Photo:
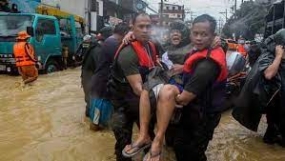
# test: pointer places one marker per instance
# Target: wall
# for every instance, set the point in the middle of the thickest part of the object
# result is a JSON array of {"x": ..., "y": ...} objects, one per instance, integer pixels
[{"x": 81, "y": 8}]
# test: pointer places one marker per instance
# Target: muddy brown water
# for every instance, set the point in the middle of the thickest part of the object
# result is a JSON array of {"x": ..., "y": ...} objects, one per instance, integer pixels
[{"x": 44, "y": 122}]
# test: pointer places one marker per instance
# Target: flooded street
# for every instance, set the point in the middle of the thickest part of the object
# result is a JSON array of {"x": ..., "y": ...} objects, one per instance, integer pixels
[{"x": 45, "y": 122}]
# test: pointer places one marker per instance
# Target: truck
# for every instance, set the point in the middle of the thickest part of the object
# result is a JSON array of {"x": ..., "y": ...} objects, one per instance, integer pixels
[
  {"x": 275, "y": 19},
  {"x": 55, "y": 36}
]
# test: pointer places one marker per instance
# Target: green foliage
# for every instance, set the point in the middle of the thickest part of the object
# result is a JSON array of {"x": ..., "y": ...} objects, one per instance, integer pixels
[{"x": 247, "y": 21}]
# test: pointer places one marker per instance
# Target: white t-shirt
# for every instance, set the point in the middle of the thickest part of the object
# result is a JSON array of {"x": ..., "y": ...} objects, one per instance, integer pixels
[{"x": 166, "y": 61}]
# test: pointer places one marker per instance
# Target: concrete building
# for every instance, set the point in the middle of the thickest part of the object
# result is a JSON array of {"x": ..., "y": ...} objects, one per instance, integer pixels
[
  {"x": 266, "y": 1},
  {"x": 123, "y": 9},
  {"x": 90, "y": 10},
  {"x": 172, "y": 12}
]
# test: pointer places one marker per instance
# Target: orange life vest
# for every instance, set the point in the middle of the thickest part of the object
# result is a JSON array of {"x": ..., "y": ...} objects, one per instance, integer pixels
[
  {"x": 241, "y": 49},
  {"x": 24, "y": 54},
  {"x": 144, "y": 59}
]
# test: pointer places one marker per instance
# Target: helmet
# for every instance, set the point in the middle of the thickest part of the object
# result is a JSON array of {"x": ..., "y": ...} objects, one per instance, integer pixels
[
  {"x": 279, "y": 37},
  {"x": 87, "y": 37}
]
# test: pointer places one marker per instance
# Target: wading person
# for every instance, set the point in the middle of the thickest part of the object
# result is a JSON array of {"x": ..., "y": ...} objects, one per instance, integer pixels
[
  {"x": 173, "y": 58},
  {"x": 88, "y": 69},
  {"x": 100, "y": 106},
  {"x": 131, "y": 65},
  {"x": 165, "y": 106},
  {"x": 273, "y": 67},
  {"x": 205, "y": 73},
  {"x": 83, "y": 48},
  {"x": 25, "y": 58}
]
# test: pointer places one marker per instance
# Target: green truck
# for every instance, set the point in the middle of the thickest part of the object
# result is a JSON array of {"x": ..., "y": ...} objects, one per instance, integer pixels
[{"x": 55, "y": 36}]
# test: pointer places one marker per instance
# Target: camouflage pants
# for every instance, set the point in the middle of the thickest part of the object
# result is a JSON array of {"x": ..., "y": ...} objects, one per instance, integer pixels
[
  {"x": 193, "y": 135},
  {"x": 124, "y": 116},
  {"x": 86, "y": 84}
]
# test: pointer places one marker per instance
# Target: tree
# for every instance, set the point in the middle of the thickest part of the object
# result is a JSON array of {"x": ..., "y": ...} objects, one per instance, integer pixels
[{"x": 247, "y": 21}]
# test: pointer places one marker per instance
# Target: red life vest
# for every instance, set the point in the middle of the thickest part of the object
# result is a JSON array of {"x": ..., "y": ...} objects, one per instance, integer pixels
[
  {"x": 213, "y": 97},
  {"x": 217, "y": 55},
  {"x": 144, "y": 59}
]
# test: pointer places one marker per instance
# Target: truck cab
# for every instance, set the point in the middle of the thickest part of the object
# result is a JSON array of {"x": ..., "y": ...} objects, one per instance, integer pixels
[
  {"x": 50, "y": 36},
  {"x": 275, "y": 19}
]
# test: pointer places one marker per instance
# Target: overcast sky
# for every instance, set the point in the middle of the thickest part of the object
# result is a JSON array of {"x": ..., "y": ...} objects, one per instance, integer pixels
[{"x": 198, "y": 7}]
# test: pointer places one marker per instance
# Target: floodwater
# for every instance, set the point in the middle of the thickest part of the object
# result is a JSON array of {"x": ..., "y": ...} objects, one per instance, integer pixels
[{"x": 45, "y": 122}]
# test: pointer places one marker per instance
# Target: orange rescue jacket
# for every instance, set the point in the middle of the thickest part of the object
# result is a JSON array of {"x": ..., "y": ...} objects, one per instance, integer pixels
[
  {"x": 24, "y": 54},
  {"x": 241, "y": 49}
]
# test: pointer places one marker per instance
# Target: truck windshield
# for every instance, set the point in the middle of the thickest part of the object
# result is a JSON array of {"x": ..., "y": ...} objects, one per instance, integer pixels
[{"x": 11, "y": 25}]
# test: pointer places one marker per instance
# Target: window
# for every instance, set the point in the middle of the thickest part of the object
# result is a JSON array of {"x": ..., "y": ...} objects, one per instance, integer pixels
[
  {"x": 179, "y": 8},
  {"x": 167, "y": 8},
  {"x": 46, "y": 27},
  {"x": 11, "y": 25},
  {"x": 179, "y": 16},
  {"x": 97, "y": 7},
  {"x": 173, "y": 8}
]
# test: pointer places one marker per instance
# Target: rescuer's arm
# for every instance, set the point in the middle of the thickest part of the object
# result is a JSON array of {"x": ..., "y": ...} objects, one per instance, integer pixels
[
  {"x": 272, "y": 70},
  {"x": 205, "y": 73},
  {"x": 136, "y": 83},
  {"x": 128, "y": 62},
  {"x": 31, "y": 52}
]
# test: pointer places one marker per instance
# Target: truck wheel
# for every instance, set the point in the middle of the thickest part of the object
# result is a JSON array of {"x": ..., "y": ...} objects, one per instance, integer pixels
[{"x": 51, "y": 66}]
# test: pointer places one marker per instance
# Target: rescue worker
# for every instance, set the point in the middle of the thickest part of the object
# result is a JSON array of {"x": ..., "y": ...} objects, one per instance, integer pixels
[
  {"x": 165, "y": 96},
  {"x": 205, "y": 73},
  {"x": 25, "y": 58},
  {"x": 173, "y": 58},
  {"x": 98, "y": 94},
  {"x": 88, "y": 69},
  {"x": 131, "y": 65}
]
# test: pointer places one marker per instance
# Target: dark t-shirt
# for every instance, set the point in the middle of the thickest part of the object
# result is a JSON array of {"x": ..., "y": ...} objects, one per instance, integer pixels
[
  {"x": 90, "y": 61},
  {"x": 102, "y": 70},
  {"x": 128, "y": 61},
  {"x": 205, "y": 72}
]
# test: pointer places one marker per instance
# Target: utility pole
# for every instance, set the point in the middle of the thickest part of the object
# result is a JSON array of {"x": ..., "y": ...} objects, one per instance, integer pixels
[
  {"x": 161, "y": 12},
  {"x": 225, "y": 14},
  {"x": 235, "y": 6}
]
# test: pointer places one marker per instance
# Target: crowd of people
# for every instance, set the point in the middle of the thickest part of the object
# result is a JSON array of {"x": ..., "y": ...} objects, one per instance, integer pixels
[{"x": 128, "y": 78}]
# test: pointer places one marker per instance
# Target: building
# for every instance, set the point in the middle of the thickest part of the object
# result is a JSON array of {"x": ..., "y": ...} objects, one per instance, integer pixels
[
  {"x": 266, "y": 1},
  {"x": 123, "y": 10},
  {"x": 172, "y": 12},
  {"x": 90, "y": 10}
]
